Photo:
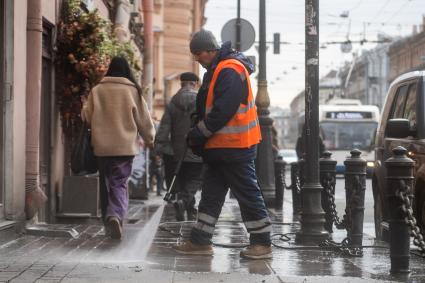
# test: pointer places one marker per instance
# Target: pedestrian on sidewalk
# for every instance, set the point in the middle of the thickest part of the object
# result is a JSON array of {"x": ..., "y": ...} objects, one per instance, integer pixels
[
  {"x": 117, "y": 114},
  {"x": 175, "y": 125},
  {"x": 164, "y": 148},
  {"x": 226, "y": 137}
]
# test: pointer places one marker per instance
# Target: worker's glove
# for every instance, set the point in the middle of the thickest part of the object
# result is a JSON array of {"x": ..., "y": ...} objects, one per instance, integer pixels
[
  {"x": 195, "y": 137},
  {"x": 196, "y": 140},
  {"x": 195, "y": 118}
]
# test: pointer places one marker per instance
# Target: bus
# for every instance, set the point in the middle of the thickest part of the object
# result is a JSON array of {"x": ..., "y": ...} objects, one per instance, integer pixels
[{"x": 345, "y": 126}]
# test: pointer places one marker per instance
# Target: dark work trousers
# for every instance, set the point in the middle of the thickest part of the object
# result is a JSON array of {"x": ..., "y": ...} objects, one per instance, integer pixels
[
  {"x": 169, "y": 167},
  {"x": 114, "y": 172},
  {"x": 189, "y": 180},
  {"x": 242, "y": 180}
]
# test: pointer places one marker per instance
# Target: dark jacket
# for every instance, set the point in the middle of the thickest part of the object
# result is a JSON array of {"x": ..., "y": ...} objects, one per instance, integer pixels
[
  {"x": 176, "y": 123},
  {"x": 162, "y": 143},
  {"x": 229, "y": 92}
]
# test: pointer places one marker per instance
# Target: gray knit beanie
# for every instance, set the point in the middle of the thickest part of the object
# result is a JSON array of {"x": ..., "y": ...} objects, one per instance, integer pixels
[{"x": 203, "y": 40}]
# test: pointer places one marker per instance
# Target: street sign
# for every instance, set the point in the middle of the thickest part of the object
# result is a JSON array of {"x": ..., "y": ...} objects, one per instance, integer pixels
[{"x": 228, "y": 33}]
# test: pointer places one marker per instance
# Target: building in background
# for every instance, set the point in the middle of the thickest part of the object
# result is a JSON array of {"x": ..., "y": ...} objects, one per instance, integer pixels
[
  {"x": 408, "y": 54},
  {"x": 27, "y": 36},
  {"x": 174, "y": 23},
  {"x": 366, "y": 77},
  {"x": 329, "y": 87},
  {"x": 375, "y": 69}
]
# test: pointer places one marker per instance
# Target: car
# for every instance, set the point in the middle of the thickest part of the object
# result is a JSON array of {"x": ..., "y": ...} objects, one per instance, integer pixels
[
  {"x": 402, "y": 124},
  {"x": 288, "y": 155}
]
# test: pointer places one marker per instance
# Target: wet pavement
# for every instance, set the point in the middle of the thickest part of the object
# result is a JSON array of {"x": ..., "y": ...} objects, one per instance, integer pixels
[{"x": 145, "y": 254}]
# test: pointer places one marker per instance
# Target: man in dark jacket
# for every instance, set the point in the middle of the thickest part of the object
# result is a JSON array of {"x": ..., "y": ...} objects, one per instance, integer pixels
[
  {"x": 226, "y": 137},
  {"x": 175, "y": 125}
]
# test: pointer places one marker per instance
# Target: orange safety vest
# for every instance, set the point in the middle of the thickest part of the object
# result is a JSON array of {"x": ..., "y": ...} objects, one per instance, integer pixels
[{"x": 243, "y": 130}]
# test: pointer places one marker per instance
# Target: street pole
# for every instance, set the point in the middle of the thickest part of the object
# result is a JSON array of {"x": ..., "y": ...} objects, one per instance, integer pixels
[
  {"x": 147, "y": 76},
  {"x": 265, "y": 160},
  {"x": 148, "y": 37},
  {"x": 238, "y": 27},
  {"x": 312, "y": 215}
]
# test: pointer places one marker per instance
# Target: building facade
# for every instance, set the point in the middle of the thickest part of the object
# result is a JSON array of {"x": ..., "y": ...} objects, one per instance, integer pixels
[
  {"x": 28, "y": 106},
  {"x": 373, "y": 71},
  {"x": 329, "y": 87},
  {"x": 408, "y": 54},
  {"x": 32, "y": 136},
  {"x": 174, "y": 23},
  {"x": 366, "y": 77}
]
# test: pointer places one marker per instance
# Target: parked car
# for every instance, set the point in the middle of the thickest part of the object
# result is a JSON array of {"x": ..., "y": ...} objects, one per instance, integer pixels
[
  {"x": 288, "y": 155},
  {"x": 402, "y": 124}
]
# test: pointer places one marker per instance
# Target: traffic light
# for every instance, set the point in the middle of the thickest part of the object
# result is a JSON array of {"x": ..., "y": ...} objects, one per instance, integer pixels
[{"x": 276, "y": 43}]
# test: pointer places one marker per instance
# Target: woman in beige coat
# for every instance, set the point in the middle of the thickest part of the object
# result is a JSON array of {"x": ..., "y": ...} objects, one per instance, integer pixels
[{"x": 117, "y": 115}]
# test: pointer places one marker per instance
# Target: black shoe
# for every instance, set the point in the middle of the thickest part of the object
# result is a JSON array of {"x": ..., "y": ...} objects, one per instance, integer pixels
[
  {"x": 192, "y": 214},
  {"x": 115, "y": 228},
  {"x": 179, "y": 206}
]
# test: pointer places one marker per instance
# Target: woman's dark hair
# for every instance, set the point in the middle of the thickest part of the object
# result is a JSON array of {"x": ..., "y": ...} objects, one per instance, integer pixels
[{"x": 119, "y": 67}]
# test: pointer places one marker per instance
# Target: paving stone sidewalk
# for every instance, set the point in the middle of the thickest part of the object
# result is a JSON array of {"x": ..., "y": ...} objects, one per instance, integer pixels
[{"x": 94, "y": 258}]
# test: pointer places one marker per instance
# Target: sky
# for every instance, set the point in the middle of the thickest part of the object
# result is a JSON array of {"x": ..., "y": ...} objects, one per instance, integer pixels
[{"x": 285, "y": 71}]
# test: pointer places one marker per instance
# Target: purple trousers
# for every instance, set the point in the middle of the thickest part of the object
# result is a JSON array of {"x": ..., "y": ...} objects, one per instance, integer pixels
[{"x": 114, "y": 172}]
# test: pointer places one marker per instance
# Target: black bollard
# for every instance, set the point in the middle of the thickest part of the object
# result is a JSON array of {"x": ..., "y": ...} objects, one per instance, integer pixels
[
  {"x": 327, "y": 180},
  {"x": 296, "y": 188},
  {"x": 399, "y": 183},
  {"x": 279, "y": 174},
  {"x": 355, "y": 187}
]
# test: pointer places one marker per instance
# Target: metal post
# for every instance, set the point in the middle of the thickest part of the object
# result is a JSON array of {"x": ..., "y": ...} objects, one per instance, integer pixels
[
  {"x": 327, "y": 179},
  {"x": 399, "y": 180},
  {"x": 355, "y": 187},
  {"x": 264, "y": 162},
  {"x": 301, "y": 176},
  {"x": 312, "y": 215},
  {"x": 238, "y": 27},
  {"x": 147, "y": 76},
  {"x": 296, "y": 188},
  {"x": 279, "y": 167}
]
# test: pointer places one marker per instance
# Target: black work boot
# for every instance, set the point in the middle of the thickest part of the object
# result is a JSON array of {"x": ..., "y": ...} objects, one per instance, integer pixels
[{"x": 180, "y": 208}]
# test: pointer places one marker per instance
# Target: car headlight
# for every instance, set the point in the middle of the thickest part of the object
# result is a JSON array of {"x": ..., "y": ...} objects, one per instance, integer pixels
[{"x": 370, "y": 164}]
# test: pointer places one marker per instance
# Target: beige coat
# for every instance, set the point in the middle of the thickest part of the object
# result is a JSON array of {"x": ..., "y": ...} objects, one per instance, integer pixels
[{"x": 117, "y": 114}]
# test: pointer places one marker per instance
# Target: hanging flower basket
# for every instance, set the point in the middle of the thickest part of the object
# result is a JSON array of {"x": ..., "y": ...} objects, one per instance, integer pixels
[{"x": 85, "y": 45}]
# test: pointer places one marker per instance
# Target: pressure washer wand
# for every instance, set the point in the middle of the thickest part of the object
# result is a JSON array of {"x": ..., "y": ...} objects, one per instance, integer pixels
[{"x": 168, "y": 195}]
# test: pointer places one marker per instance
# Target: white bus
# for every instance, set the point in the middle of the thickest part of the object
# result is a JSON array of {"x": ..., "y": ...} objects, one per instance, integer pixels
[{"x": 345, "y": 126}]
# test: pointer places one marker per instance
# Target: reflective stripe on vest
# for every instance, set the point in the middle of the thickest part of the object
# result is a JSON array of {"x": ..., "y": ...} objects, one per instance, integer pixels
[{"x": 243, "y": 130}]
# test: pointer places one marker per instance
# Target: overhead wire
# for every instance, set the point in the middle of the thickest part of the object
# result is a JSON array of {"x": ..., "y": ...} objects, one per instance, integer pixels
[
  {"x": 382, "y": 9},
  {"x": 399, "y": 10}
]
